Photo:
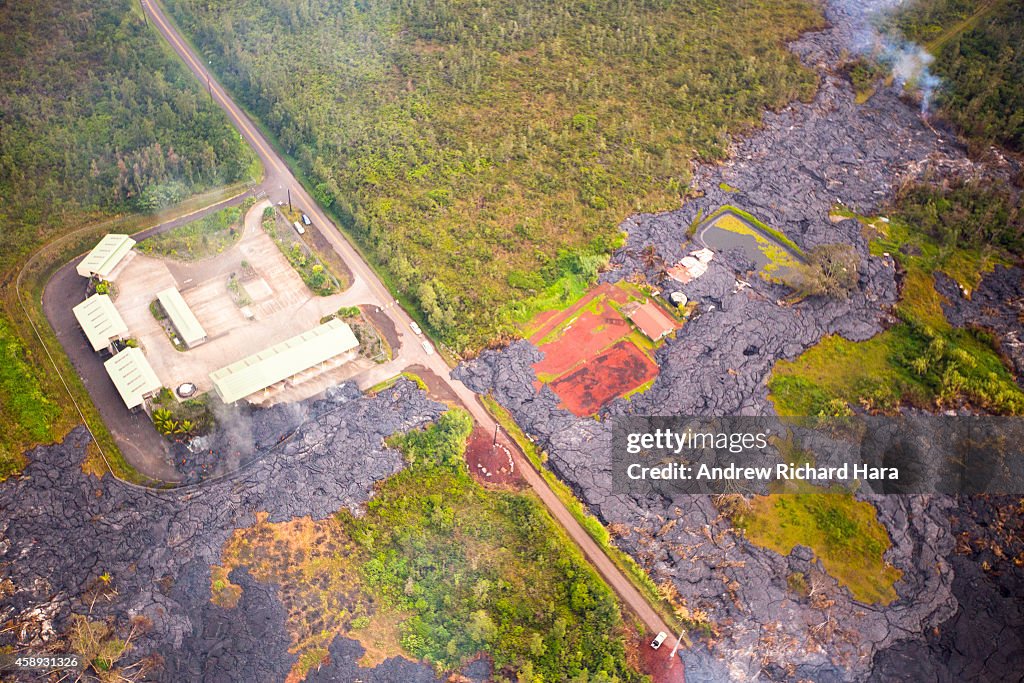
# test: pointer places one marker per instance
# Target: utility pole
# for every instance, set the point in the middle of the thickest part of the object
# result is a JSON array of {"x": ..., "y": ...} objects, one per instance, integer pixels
[
  {"x": 495, "y": 442},
  {"x": 142, "y": 6},
  {"x": 209, "y": 86},
  {"x": 290, "y": 199}
]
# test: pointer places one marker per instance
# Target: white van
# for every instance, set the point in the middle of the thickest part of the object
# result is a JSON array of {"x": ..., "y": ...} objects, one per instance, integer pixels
[
  {"x": 658, "y": 640},
  {"x": 298, "y": 228}
]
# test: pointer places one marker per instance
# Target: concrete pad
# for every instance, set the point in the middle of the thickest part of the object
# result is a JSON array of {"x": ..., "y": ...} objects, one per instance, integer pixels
[{"x": 258, "y": 289}]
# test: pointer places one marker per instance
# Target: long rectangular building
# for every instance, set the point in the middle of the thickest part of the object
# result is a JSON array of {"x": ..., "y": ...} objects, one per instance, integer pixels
[
  {"x": 100, "y": 321},
  {"x": 108, "y": 253},
  {"x": 185, "y": 322},
  {"x": 133, "y": 376},
  {"x": 284, "y": 360}
]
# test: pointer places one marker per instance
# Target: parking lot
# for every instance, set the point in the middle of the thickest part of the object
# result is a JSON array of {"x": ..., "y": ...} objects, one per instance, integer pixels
[{"x": 279, "y": 303}]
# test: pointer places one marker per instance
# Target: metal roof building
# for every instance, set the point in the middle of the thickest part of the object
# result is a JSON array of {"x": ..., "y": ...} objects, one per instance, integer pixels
[
  {"x": 285, "y": 360},
  {"x": 652, "y": 321},
  {"x": 105, "y": 256},
  {"x": 100, "y": 321},
  {"x": 184, "y": 320},
  {"x": 133, "y": 376}
]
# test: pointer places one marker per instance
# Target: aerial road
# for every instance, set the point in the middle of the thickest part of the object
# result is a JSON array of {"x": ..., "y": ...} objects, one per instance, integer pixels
[{"x": 278, "y": 184}]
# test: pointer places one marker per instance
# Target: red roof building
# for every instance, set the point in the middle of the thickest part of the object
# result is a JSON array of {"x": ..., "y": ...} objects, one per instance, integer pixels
[{"x": 652, "y": 321}]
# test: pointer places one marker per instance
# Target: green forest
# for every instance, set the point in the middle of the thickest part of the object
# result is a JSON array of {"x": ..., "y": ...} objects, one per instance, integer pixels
[
  {"x": 97, "y": 118},
  {"x": 484, "y": 153},
  {"x": 979, "y": 54}
]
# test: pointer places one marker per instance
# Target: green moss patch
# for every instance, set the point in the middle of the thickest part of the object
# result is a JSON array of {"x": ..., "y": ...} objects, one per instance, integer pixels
[{"x": 844, "y": 534}]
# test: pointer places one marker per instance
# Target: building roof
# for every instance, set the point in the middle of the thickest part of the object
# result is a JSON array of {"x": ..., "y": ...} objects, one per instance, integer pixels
[
  {"x": 652, "y": 321},
  {"x": 281, "y": 361},
  {"x": 704, "y": 255},
  {"x": 182, "y": 317},
  {"x": 687, "y": 270},
  {"x": 133, "y": 376},
  {"x": 105, "y": 256},
  {"x": 100, "y": 321}
]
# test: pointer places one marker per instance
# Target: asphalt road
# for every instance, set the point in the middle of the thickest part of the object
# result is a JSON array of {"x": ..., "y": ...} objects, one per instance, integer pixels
[{"x": 370, "y": 290}]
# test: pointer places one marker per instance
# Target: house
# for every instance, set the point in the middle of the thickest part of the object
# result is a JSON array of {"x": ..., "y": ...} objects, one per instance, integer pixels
[
  {"x": 652, "y": 321},
  {"x": 133, "y": 377},
  {"x": 184, "y": 321},
  {"x": 692, "y": 266}
]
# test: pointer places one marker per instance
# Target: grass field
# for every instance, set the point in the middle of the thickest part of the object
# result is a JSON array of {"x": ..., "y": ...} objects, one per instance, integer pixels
[{"x": 202, "y": 238}]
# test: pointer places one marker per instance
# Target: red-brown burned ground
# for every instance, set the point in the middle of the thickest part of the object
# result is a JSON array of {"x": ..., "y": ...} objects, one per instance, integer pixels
[
  {"x": 660, "y": 664},
  {"x": 587, "y": 336},
  {"x": 488, "y": 463},
  {"x": 549, "y": 321},
  {"x": 610, "y": 374}
]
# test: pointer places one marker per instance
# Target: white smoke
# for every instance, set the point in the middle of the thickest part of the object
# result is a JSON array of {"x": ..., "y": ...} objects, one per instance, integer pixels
[
  {"x": 909, "y": 62},
  {"x": 910, "y": 70}
]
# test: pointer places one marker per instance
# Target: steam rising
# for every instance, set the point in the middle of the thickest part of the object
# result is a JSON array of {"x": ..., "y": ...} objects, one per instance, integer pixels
[{"x": 908, "y": 61}]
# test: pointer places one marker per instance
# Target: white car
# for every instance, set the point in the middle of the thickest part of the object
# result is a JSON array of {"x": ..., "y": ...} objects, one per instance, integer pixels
[
  {"x": 298, "y": 228},
  {"x": 415, "y": 328},
  {"x": 428, "y": 347},
  {"x": 658, "y": 640}
]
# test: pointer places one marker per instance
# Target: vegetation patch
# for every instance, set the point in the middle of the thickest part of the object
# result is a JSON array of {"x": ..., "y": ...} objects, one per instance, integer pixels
[
  {"x": 179, "y": 419},
  {"x": 865, "y": 75},
  {"x": 27, "y": 413},
  {"x": 844, "y": 534},
  {"x": 458, "y": 569},
  {"x": 922, "y": 361},
  {"x": 201, "y": 238},
  {"x": 485, "y": 153},
  {"x": 667, "y": 604},
  {"x": 309, "y": 267}
]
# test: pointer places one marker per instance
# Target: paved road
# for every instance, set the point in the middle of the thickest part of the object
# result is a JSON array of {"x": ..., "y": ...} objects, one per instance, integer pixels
[{"x": 370, "y": 290}]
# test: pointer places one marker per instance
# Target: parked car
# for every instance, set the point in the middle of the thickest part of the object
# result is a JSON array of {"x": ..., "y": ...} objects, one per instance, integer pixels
[
  {"x": 428, "y": 347},
  {"x": 415, "y": 328},
  {"x": 305, "y": 220},
  {"x": 658, "y": 640},
  {"x": 298, "y": 228}
]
